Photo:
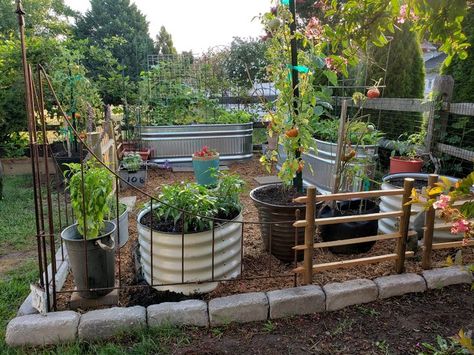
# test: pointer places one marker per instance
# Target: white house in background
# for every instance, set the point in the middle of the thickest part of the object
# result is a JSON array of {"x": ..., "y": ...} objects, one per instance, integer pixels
[{"x": 433, "y": 60}]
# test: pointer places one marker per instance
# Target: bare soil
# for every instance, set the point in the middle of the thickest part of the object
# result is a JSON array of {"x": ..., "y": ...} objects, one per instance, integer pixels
[
  {"x": 399, "y": 325},
  {"x": 261, "y": 271}
]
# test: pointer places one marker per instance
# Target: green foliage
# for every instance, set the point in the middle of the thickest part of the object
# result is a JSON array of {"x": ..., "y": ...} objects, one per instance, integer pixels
[
  {"x": 444, "y": 347},
  {"x": 132, "y": 161},
  {"x": 358, "y": 132},
  {"x": 119, "y": 19},
  {"x": 246, "y": 61},
  {"x": 164, "y": 43},
  {"x": 405, "y": 145},
  {"x": 199, "y": 203},
  {"x": 190, "y": 197},
  {"x": 89, "y": 188},
  {"x": 463, "y": 70},
  {"x": 112, "y": 208},
  {"x": 15, "y": 146},
  {"x": 404, "y": 75}
]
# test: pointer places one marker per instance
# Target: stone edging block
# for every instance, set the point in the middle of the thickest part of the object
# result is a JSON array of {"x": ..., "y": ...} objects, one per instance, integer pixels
[
  {"x": 242, "y": 308},
  {"x": 39, "y": 330},
  {"x": 348, "y": 293},
  {"x": 190, "y": 312},
  {"x": 296, "y": 301},
  {"x": 397, "y": 285},
  {"x": 442, "y": 277},
  {"x": 105, "y": 323}
]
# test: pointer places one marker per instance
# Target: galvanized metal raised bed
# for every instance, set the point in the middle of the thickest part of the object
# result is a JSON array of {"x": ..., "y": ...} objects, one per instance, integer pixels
[
  {"x": 322, "y": 158},
  {"x": 176, "y": 144}
]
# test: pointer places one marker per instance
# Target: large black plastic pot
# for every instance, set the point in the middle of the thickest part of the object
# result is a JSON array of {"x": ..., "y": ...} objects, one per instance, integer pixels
[
  {"x": 282, "y": 234},
  {"x": 350, "y": 230},
  {"x": 100, "y": 270}
]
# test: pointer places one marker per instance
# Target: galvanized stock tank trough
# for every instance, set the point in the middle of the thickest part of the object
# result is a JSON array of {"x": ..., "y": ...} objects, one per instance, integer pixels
[
  {"x": 200, "y": 254},
  {"x": 176, "y": 144},
  {"x": 322, "y": 159}
]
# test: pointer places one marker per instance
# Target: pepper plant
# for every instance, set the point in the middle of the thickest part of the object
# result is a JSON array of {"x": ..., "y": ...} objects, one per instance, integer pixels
[{"x": 89, "y": 187}]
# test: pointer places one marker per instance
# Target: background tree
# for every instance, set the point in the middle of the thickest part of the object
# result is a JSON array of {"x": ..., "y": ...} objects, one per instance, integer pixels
[
  {"x": 164, "y": 43},
  {"x": 403, "y": 59},
  {"x": 122, "y": 21},
  {"x": 463, "y": 70},
  {"x": 246, "y": 61}
]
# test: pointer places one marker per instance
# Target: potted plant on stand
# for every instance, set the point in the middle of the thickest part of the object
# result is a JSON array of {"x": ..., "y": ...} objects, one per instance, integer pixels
[
  {"x": 192, "y": 234},
  {"x": 132, "y": 170},
  {"x": 89, "y": 241},
  {"x": 205, "y": 165}
]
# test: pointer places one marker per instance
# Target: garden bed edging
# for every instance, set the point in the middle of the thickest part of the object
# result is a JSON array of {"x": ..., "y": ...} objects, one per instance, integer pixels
[{"x": 60, "y": 327}]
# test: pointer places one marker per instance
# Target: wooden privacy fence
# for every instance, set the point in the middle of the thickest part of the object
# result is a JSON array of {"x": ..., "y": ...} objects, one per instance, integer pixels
[{"x": 310, "y": 223}]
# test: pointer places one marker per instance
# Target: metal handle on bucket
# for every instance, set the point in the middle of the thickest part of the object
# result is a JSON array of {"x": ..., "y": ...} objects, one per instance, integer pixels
[{"x": 106, "y": 247}]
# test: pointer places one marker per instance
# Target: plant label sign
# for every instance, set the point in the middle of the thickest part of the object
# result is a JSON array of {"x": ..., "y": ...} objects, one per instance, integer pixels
[{"x": 38, "y": 299}]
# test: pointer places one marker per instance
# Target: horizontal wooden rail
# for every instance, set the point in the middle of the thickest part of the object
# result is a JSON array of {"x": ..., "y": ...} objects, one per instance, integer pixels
[
  {"x": 449, "y": 245},
  {"x": 352, "y": 195},
  {"x": 347, "y": 219},
  {"x": 350, "y": 263},
  {"x": 338, "y": 243}
]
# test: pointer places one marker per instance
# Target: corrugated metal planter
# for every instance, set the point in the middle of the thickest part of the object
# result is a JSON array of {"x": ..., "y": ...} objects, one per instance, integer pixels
[
  {"x": 178, "y": 143},
  {"x": 322, "y": 159},
  {"x": 393, "y": 203},
  {"x": 198, "y": 256}
]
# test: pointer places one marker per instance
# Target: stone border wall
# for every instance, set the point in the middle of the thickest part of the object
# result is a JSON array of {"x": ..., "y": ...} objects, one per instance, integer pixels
[{"x": 68, "y": 326}]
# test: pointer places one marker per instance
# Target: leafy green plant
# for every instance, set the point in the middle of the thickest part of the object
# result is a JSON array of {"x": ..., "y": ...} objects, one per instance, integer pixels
[
  {"x": 407, "y": 147},
  {"x": 200, "y": 204},
  {"x": 444, "y": 347},
  {"x": 112, "y": 205},
  {"x": 227, "y": 192},
  {"x": 358, "y": 132},
  {"x": 195, "y": 199},
  {"x": 132, "y": 162},
  {"x": 15, "y": 146},
  {"x": 89, "y": 187}
]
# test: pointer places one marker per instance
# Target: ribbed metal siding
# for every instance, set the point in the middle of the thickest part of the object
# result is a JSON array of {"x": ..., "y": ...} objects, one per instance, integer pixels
[
  {"x": 167, "y": 257},
  {"x": 178, "y": 143},
  {"x": 322, "y": 159}
]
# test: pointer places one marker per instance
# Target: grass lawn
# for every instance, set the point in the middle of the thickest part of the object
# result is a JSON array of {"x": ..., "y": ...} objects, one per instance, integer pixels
[{"x": 17, "y": 225}]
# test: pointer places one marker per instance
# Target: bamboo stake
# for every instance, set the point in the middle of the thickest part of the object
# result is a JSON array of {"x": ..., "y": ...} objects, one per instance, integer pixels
[
  {"x": 404, "y": 224},
  {"x": 429, "y": 229},
  {"x": 309, "y": 236}
]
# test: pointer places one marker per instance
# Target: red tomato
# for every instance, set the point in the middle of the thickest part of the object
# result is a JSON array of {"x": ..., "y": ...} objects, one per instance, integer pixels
[
  {"x": 292, "y": 133},
  {"x": 373, "y": 93}
]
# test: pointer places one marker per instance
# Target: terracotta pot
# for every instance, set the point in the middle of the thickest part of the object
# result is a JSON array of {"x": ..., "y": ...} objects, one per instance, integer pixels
[
  {"x": 405, "y": 165},
  {"x": 144, "y": 153}
]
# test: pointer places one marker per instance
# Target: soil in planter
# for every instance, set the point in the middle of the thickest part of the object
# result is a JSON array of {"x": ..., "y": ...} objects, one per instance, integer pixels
[
  {"x": 417, "y": 184},
  {"x": 166, "y": 226},
  {"x": 278, "y": 195},
  {"x": 350, "y": 230}
]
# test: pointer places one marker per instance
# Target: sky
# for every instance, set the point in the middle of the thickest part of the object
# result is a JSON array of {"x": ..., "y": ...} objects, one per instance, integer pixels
[{"x": 198, "y": 25}]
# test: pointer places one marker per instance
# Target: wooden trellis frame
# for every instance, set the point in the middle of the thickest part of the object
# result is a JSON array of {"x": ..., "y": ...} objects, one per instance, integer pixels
[{"x": 310, "y": 223}]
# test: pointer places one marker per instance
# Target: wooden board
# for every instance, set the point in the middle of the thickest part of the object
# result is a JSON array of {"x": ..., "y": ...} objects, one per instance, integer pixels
[
  {"x": 345, "y": 219},
  {"x": 352, "y": 195},
  {"x": 354, "y": 262}
]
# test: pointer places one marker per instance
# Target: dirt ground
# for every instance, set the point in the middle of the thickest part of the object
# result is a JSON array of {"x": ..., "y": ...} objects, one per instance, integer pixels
[
  {"x": 399, "y": 325},
  {"x": 257, "y": 262}
]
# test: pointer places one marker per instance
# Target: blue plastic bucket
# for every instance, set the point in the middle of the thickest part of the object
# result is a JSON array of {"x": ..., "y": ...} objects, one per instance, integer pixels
[{"x": 204, "y": 170}]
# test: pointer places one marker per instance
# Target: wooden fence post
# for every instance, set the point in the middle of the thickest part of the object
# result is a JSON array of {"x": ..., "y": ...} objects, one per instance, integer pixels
[
  {"x": 443, "y": 87},
  {"x": 404, "y": 224},
  {"x": 309, "y": 235},
  {"x": 429, "y": 228}
]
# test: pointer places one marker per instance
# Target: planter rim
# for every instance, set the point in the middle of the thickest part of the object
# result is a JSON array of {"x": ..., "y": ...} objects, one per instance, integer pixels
[
  {"x": 360, "y": 145},
  {"x": 252, "y": 196},
  {"x": 408, "y": 160},
  {"x": 419, "y": 176},
  {"x": 212, "y": 157},
  {"x": 202, "y": 125},
  {"x": 111, "y": 224},
  {"x": 144, "y": 211}
]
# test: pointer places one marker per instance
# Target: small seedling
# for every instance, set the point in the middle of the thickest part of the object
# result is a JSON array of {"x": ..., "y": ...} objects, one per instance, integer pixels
[{"x": 269, "y": 326}]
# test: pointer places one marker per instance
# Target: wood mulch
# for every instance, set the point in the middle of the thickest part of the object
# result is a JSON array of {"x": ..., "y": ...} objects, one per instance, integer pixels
[{"x": 257, "y": 262}]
